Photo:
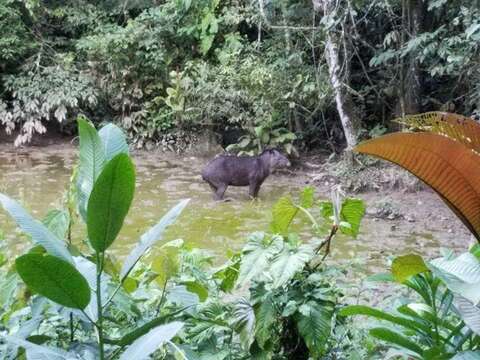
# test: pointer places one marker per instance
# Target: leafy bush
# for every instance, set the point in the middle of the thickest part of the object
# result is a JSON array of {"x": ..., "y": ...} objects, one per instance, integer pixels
[
  {"x": 441, "y": 321},
  {"x": 52, "y": 93},
  {"x": 16, "y": 41}
]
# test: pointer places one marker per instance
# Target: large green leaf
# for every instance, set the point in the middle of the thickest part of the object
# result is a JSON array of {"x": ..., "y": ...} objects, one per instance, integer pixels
[
  {"x": 144, "y": 346},
  {"x": 314, "y": 325},
  {"x": 113, "y": 140},
  {"x": 54, "y": 278},
  {"x": 352, "y": 213},
  {"x": 406, "y": 266},
  {"x": 283, "y": 212},
  {"x": 393, "y": 337},
  {"x": 461, "y": 275},
  {"x": 39, "y": 232},
  {"x": 257, "y": 254},
  {"x": 288, "y": 262},
  {"x": 110, "y": 201},
  {"x": 151, "y": 237},
  {"x": 92, "y": 161}
]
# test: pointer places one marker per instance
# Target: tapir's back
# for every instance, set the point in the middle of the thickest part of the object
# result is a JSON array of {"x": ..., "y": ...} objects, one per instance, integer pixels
[{"x": 230, "y": 170}]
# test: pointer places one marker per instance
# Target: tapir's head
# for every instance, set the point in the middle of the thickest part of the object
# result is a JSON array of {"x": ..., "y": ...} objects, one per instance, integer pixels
[{"x": 276, "y": 159}]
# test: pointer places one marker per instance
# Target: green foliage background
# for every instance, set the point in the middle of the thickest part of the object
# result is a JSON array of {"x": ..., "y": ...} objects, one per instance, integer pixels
[{"x": 255, "y": 69}]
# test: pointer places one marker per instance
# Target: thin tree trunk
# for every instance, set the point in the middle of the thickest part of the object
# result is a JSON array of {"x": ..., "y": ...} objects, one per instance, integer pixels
[
  {"x": 337, "y": 69},
  {"x": 416, "y": 12},
  {"x": 413, "y": 12}
]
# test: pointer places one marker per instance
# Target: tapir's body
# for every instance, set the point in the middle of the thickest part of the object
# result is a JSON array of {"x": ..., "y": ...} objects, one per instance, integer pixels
[{"x": 229, "y": 170}]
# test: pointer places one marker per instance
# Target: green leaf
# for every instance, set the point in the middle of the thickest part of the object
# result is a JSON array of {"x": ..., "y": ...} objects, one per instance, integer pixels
[
  {"x": 244, "y": 322},
  {"x": 151, "y": 237},
  {"x": 39, "y": 339},
  {"x": 469, "y": 313},
  {"x": 461, "y": 275},
  {"x": 288, "y": 262},
  {"x": 314, "y": 325},
  {"x": 406, "y": 266},
  {"x": 475, "y": 250},
  {"x": 326, "y": 210},
  {"x": 266, "y": 316},
  {"x": 110, "y": 201},
  {"x": 39, "y": 233},
  {"x": 129, "y": 285},
  {"x": 393, "y": 337},
  {"x": 57, "y": 221},
  {"x": 151, "y": 341},
  {"x": 206, "y": 43},
  {"x": 197, "y": 288},
  {"x": 307, "y": 197},
  {"x": 166, "y": 265},
  {"x": 181, "y": 296},
  {"x": 113, "y": 140},
  {"x": 283, "y": 212},
  {"x": 352, "y": 212},
  {"x": 467, "y": 355},
  {"x": 228, "y": 274},
  {"x": 40, "y": 352},
  {"x": 381, "y": 315},
  {"x": 55, "y": 279},
  {"x": 92, "y": 160},
  {"x": 257, "y": 254}
]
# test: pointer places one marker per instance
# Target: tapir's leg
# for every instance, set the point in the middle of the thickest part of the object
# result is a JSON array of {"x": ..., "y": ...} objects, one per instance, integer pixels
[
  {"x": 213, "y": 187},
  {"x": 253, "y": 190},
  {"x": 221, "y": 188}
]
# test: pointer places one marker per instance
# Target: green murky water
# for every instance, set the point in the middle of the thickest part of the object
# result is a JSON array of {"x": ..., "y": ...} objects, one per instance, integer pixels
[{"x": 39, "y": 177}]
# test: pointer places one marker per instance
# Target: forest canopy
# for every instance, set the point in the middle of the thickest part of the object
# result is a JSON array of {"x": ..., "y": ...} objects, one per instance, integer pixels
[{"x": 257, "y": 73}]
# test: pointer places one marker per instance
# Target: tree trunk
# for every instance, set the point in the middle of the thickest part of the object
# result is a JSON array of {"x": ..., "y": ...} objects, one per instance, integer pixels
[
  {"x": 413, "y": 13},
  {"x": 338, "y": 68},
  {"x": 416, "y": 12}
]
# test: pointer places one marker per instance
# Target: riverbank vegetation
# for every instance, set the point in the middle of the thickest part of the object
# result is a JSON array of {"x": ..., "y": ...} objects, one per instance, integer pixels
[{"x": 291, "y": 74}]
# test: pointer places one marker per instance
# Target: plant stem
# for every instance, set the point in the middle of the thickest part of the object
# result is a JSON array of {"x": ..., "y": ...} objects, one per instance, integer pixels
[
  {"x": 72, "y": 330},
  {"x": 162, "y": 298},
  {"x": 309, "y": 215},
  {"x": 99, "y": 323}
]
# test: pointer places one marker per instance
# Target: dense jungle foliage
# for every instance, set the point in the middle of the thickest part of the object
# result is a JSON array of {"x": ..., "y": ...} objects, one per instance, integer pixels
[{"x": 286, "y": 73}]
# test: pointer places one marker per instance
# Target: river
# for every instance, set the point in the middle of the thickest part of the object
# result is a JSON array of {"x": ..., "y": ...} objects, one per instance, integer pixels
[{"x": 38, "y": 177}]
